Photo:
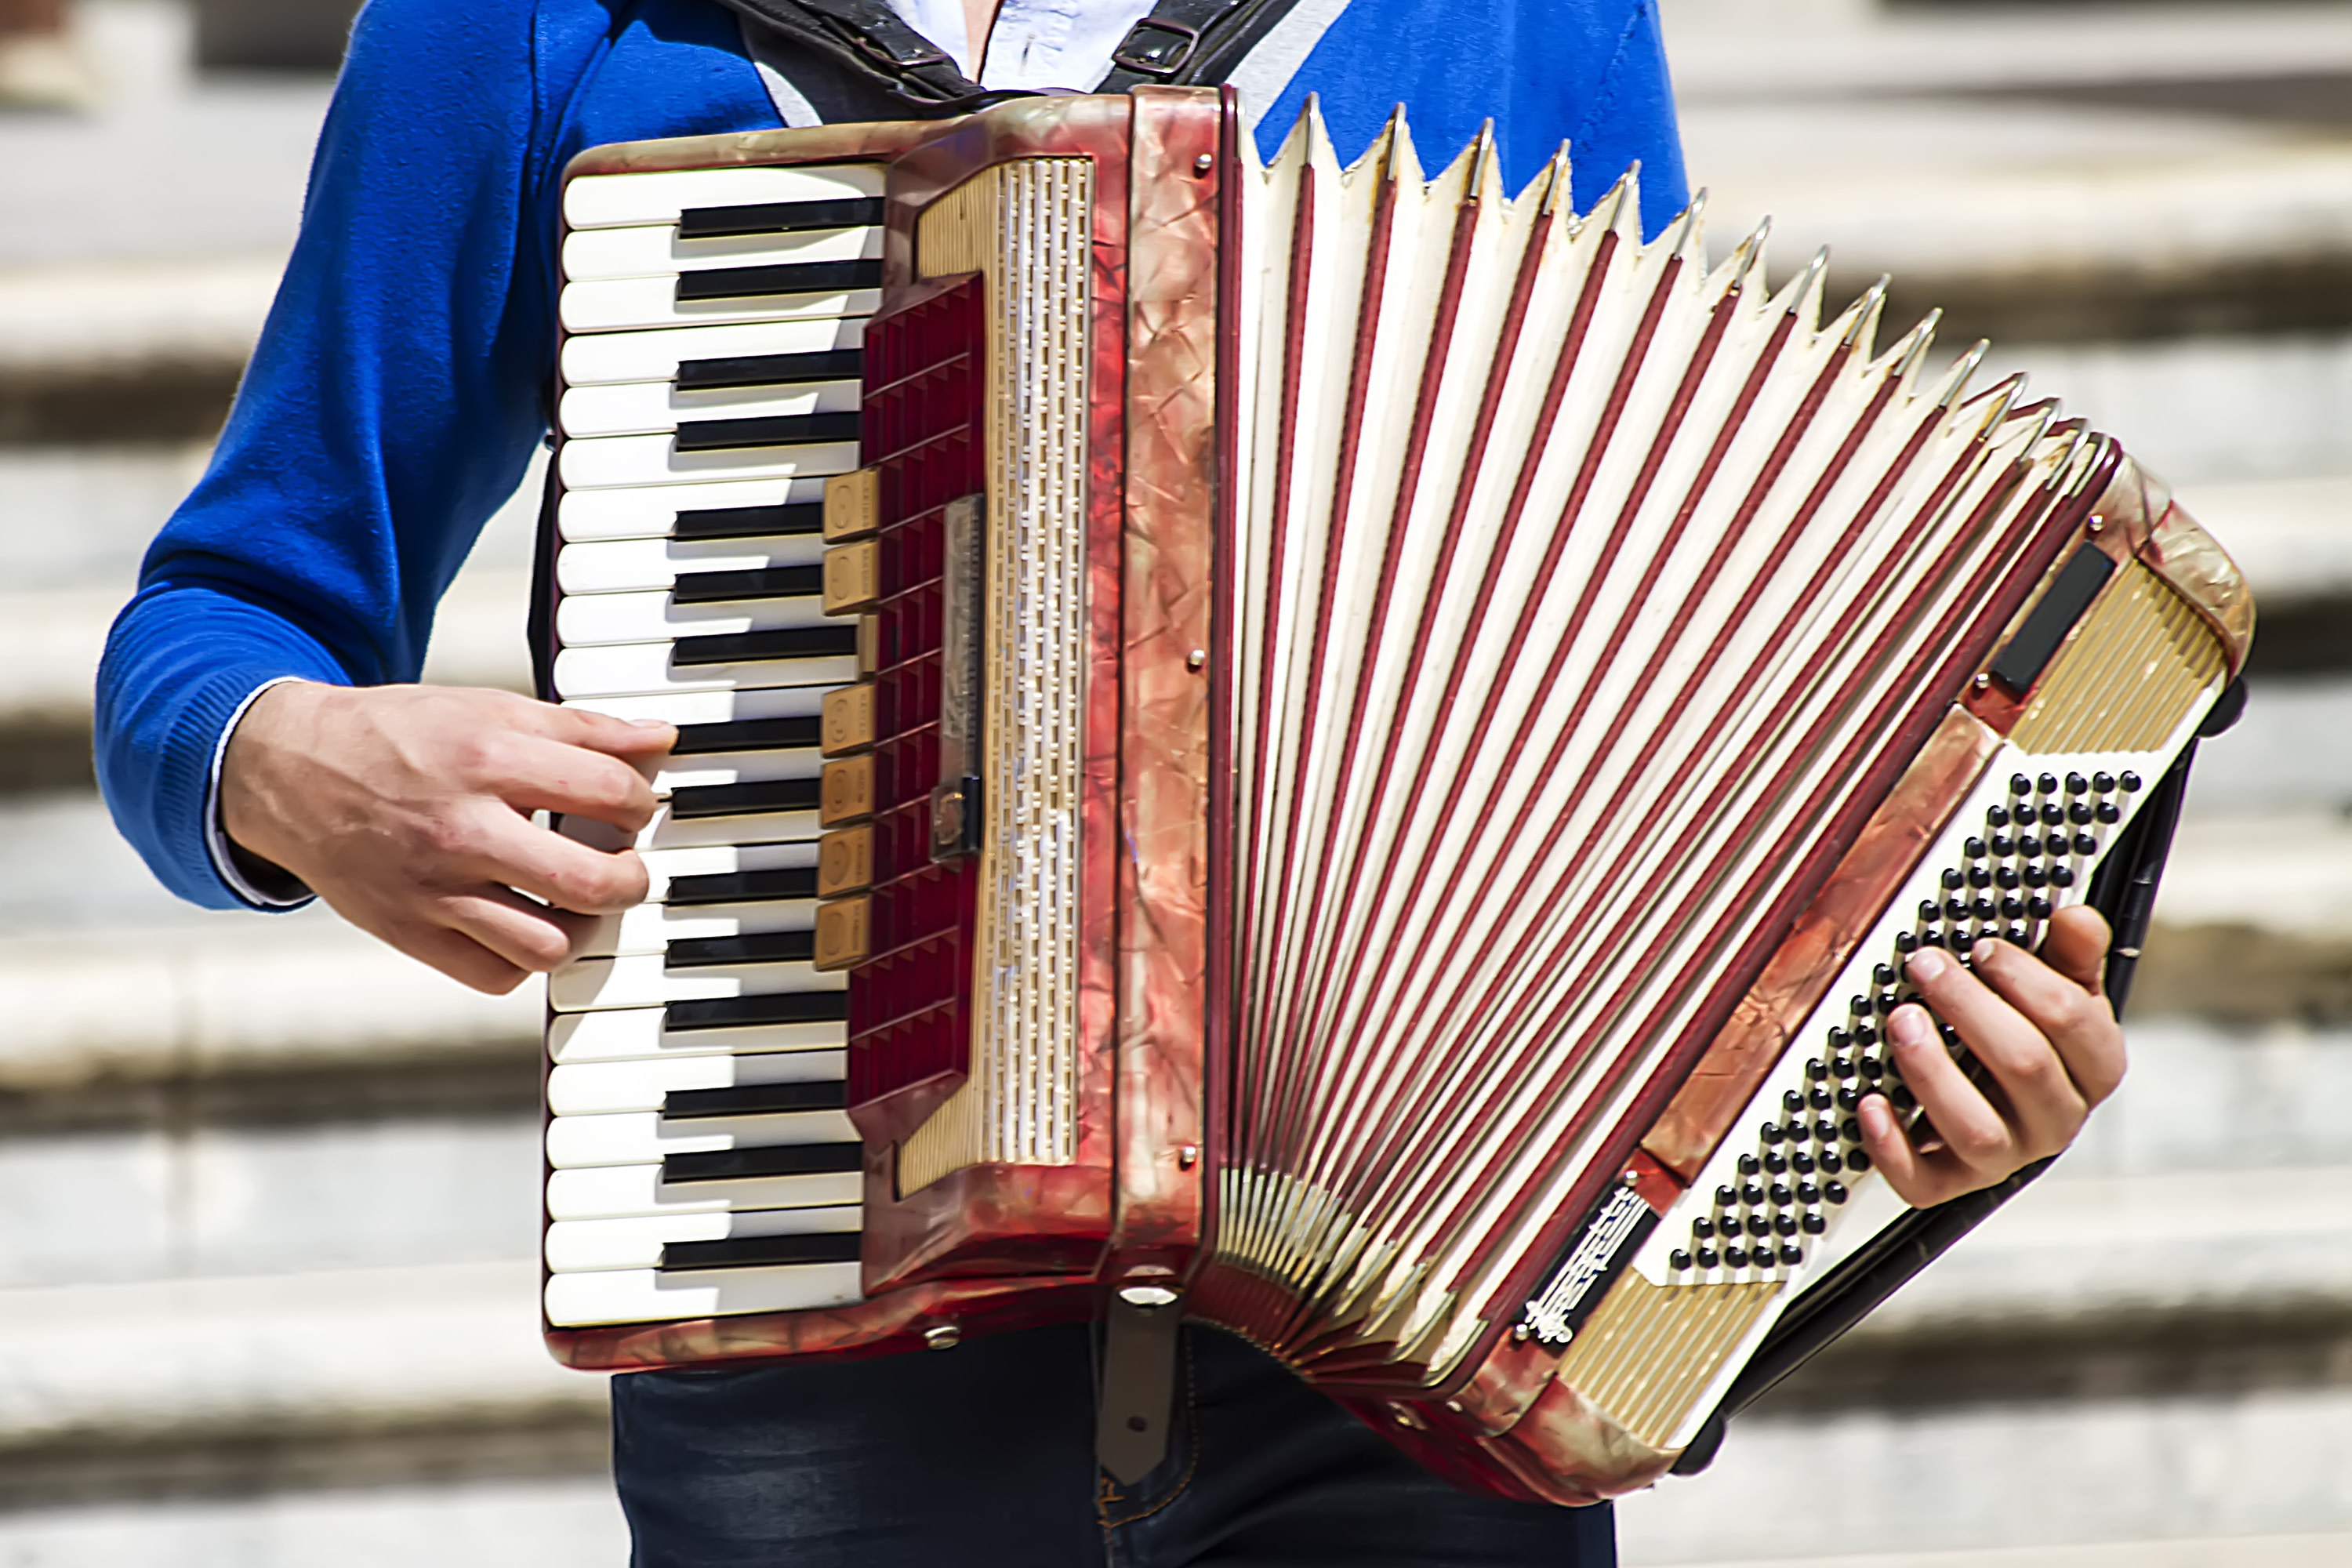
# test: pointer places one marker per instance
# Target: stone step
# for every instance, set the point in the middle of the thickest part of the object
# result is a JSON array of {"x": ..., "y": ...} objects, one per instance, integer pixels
[
  {"x": 2191, "y": 1465},
  {"x": 2327, "y": 1550},
  {"x": 1780, "y": 49},
  {"x": 450, "y": 1518},
  {"x": 2045, "y": 175},
  {"x": 311, "y": 1379}
]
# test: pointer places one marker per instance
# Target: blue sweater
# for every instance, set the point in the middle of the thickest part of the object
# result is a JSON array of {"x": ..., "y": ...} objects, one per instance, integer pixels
[{"x": 399, "y": 386}]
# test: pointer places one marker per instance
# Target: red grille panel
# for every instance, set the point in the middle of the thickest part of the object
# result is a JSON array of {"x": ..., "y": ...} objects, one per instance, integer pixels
[{"x": 910, "y": 1003}]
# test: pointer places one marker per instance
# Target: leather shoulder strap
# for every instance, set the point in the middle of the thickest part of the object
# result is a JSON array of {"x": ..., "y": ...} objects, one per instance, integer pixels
[
  {"x": 1192, "y": 43},
  {"x": 1182, "y": 42},
  {"x": 866, "y": 38}
]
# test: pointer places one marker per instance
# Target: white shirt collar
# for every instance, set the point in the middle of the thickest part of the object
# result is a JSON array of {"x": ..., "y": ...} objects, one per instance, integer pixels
[{"x": 1035, "y": 43}]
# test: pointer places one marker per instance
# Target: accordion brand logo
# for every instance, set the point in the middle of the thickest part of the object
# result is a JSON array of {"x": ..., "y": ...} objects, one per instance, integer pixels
[{"x": 1617, "y": 1226}]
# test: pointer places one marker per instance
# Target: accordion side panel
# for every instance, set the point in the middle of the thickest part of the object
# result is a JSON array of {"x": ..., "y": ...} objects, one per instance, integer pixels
[
  {"x": 1168, "y": 549},
  {"x": 1012, "y": 1172}
]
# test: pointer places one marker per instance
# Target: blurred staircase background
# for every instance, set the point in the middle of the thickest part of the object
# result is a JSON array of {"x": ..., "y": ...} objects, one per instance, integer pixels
[{"x": 267, "y": 1200}]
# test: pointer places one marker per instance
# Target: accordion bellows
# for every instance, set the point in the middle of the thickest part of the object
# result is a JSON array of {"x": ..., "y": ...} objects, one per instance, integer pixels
[{"x": 1400, "y": 736}]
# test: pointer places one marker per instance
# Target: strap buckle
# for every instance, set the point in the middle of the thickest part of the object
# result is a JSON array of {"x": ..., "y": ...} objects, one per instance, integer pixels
[
  {"x": 907, "y": 60},
  {"x": 1156, "y": 47}
]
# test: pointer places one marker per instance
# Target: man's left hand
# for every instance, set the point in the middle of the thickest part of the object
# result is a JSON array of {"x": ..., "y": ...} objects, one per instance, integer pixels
[{"x": 2050, "y": 1047}]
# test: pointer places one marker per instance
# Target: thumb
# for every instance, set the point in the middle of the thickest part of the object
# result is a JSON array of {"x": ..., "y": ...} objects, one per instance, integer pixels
[{"x": 2076, "y": 946}]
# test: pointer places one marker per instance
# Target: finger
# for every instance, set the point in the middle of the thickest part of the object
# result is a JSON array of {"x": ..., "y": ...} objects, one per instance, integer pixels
[
  {"x": 515, "y": 853},
  {"x": 1904, "y": 1167},
  {"x": 529, "y": 936},
  {"x": 603, "y": 732},
  {"x": 1970, "y": 1127},
  {"x": 531, "y": 774},
  {"x": 2078, "y": 1025},
  {"x": 2046, "y": 1107},
  {"x": 2075, "y": 945},
  {"x": 455, "y": 954}
]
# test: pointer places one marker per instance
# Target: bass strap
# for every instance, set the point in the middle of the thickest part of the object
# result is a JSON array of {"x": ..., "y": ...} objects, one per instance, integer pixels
[{"x": 1183, "y": 43}]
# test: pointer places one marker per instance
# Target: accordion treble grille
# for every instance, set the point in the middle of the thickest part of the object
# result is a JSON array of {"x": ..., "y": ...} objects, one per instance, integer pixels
[
  {"x": 1023, "y": 227},
  {"x": 1649, "y": 1350},
  {"x": 2131, "y": 677}
]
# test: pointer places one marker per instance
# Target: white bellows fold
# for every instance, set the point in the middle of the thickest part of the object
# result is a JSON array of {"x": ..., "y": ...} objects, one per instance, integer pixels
[{"x": 1579, "y": 582}]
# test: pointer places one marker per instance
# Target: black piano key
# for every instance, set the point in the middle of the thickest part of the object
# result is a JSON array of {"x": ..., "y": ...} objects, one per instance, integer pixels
[
  {"x": 760, "y": 1251},
  {"x": 748, "y": 735},
  {"x": 779, "y": 217},
  {"x": 743, "y": 887},
  {"x": 775, "y": 430},
  {"x": 696, "y": 801},
  {"x": 770, "y": 370},
  {"x": 788, "y": 642},
  {"x": 745, "y": 1012},
  {"x": 756, "y": 1100},
  {"x": 780, "y": 278},
  {"x": 765, "y": 947},
  {"x": 774, "y": 1160},
  {"x": 750, "y": 522},
  {"x": 760, "y": 582}
]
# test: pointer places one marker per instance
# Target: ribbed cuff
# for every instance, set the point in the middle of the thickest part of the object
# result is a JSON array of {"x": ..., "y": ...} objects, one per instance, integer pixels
[{"x": 290, "y": 894}]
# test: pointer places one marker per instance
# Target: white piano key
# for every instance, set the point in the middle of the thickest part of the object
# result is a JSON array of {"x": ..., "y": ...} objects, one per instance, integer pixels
[
  {"x": 619, "y": 460},
  {"x": 640, "y": 1137},
  {"x": 644, "y": 980},
  {"x": 606, "y": 200},
  {"x": 574, "y": 1246},
  {"x": 631, "y": 669},
  {"x": 736, "y": 855},
  {"x": 623, "y": 304},
  {"x": 630, "y": 1034},
  {"x": 600, "y": 358},
  {"x": 647, "y": 1295},
  {"x": 615, "y": 1192},
  {"x": 652, "y": 250},
  {"x": 735, "y": 768},
  {"x": 668, "y": 774},
  {"x": 651, "y": 927},
  {"x": 711, "y": 707},
  {"x": 636, "y": 566},
  {"x": 643, "y": 408},
  {"x": 592, "y": 620},
  {"x": 604, "y": 1088},
  {"x": 651, "y": 512}
]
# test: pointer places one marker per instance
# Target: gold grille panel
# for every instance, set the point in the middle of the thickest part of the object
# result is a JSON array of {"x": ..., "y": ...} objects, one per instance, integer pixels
[
  {"x": 1024, "y": 227},
  {"x": 2132, "y": 672},
  {"x": 1648, "y": 1351}
]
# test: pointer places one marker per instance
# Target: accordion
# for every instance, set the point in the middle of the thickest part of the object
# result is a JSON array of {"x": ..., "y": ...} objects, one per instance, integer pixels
[{"x": 1338, "y": 753}]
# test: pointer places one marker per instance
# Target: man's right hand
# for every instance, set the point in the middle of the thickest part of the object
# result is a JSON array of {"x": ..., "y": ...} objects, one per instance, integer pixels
[{"x": 407, "y": 808}]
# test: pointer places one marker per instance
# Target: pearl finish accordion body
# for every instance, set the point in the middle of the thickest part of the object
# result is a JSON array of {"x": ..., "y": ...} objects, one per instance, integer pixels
[{"x": 1345, "y": 753}]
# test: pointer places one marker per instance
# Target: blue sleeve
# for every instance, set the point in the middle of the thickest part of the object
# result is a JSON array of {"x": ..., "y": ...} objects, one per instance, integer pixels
[
  {"x": 399, "y": 386},
  {"x": 1591, "y": 73}
]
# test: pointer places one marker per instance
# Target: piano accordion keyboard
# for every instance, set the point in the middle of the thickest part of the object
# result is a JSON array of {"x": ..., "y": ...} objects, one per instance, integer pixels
[{"x": 700, "y": 1159}]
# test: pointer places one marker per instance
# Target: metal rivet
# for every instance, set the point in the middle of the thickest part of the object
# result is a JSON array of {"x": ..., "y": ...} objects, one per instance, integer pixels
[
  {"x": 1196, "y": 659},
  {"x": 2097, "y": 523},
  {"x": 1982, "y": 683},
  {"x": 1147, "y": 1295},
  {"x": 1520, "y": 1334},
  {"x": 943, "y": 1337},
  {"x": 1203, "y": 164},
  {"x": 1188, "y": 1156}
]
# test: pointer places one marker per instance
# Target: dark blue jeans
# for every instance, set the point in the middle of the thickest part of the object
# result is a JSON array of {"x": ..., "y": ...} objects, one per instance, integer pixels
[{"x": 983, "y": 1457}]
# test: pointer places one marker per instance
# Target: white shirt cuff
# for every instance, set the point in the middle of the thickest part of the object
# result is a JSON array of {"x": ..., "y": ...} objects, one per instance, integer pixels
[{"x": 216, "y": 836}]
